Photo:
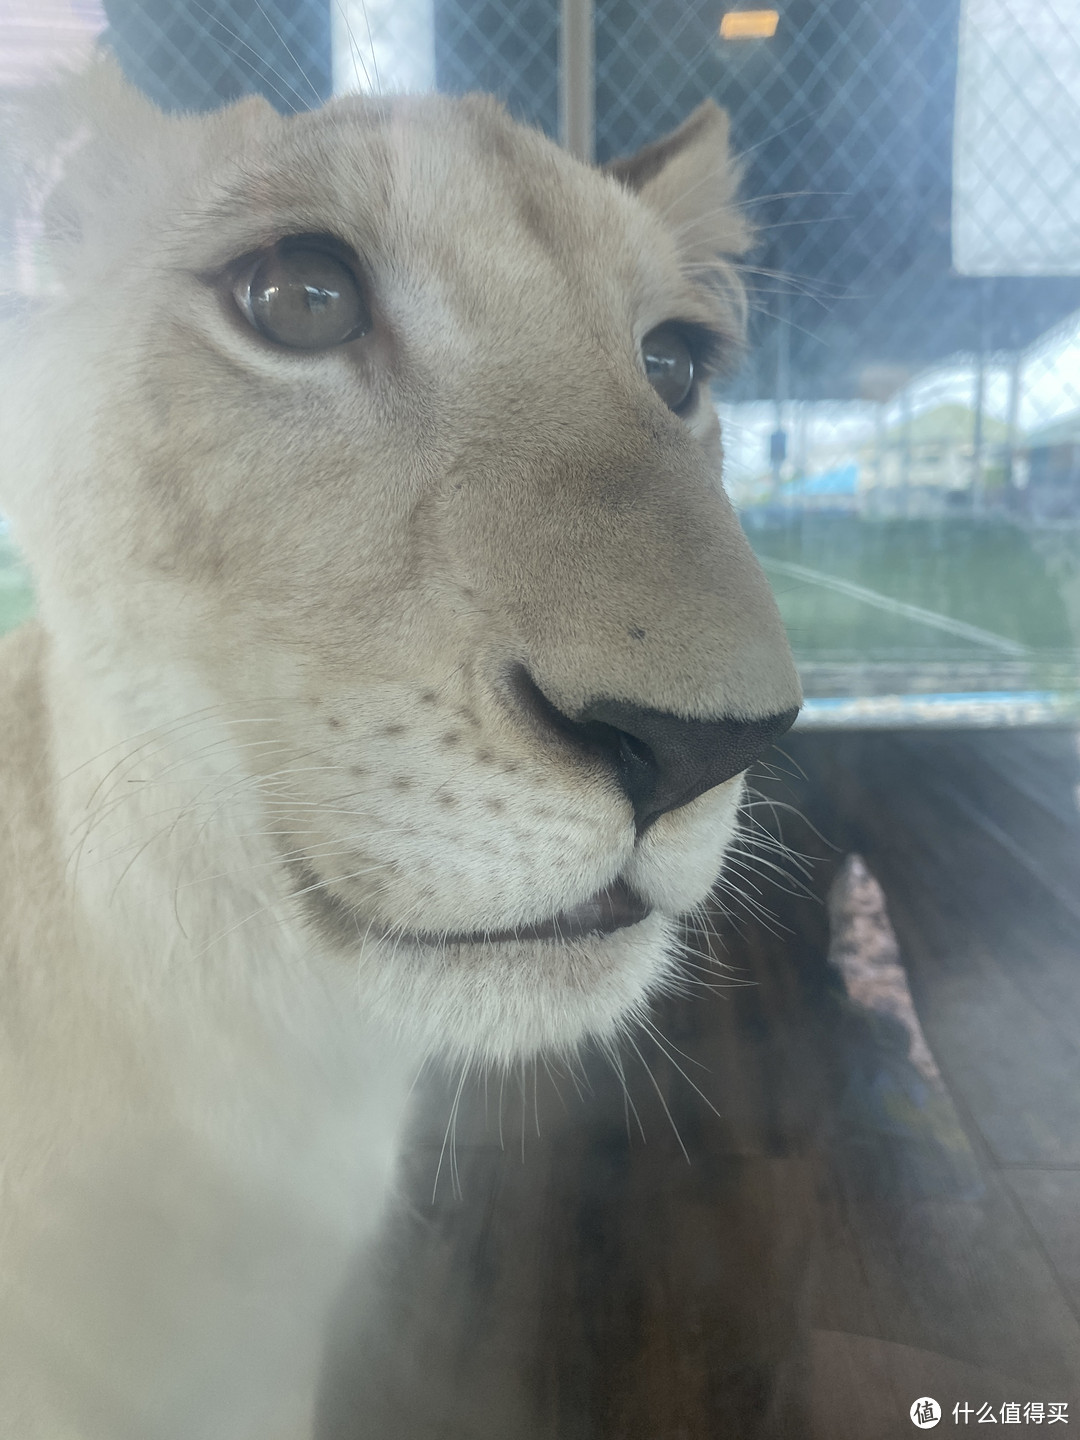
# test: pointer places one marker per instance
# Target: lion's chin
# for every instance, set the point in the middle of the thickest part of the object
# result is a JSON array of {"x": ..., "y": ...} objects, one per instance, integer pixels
[
  {"x": 498, "y": 1001},
  {"x": 496, "y": 997},
  {"x": 501, "y": 1001}
]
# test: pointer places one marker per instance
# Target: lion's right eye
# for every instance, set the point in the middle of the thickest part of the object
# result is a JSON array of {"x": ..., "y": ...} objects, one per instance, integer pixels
[
  {"x": 301, "y": 296},
  {"x": 669, "y": 366}
]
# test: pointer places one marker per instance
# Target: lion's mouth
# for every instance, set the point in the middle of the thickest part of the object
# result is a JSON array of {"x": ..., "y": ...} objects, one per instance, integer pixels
[{"x": 613, "y": 908}]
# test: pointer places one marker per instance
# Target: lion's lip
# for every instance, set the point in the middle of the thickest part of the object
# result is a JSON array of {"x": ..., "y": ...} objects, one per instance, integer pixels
[{"x": 613, "y": 908}]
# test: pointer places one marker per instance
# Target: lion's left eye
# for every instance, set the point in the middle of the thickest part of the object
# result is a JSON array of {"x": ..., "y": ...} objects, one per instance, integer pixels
[
  {"x": 669, "y": 365},
  {"x": 301, "y": 296}
]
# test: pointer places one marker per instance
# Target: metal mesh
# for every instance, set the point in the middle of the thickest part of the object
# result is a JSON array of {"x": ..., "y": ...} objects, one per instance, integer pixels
[
  {"x": 188, "y": 55},
  {"x": 912, "y": 168},
  {"x": 845, "y": 119},
  {"x": 509, "y": 50}
]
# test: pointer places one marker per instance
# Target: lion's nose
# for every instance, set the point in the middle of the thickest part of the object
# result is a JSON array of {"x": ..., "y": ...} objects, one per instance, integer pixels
[{"x": 664, "y": 761}]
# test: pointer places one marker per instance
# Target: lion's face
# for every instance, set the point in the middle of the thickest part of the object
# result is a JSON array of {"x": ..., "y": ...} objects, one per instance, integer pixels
[{"x": 470, "y": 566}]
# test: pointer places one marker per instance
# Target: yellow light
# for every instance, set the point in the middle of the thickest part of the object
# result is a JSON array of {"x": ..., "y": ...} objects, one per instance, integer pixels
[{"x": 749, "y": 24}]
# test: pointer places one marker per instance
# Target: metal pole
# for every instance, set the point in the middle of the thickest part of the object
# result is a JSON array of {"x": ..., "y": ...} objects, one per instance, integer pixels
[
  {"x": 905, "y": 450},
  {"x": 986, "y": 291},
  {"x": 577, "y": 94},
  {"x": 778, "y": 448},
  {"x": 1012, "y": 417},
  {"x": 978, "y": 490},
  {"x": 879, "y": 450}
]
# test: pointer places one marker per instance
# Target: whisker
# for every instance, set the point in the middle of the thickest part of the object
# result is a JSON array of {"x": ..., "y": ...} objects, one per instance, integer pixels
[
  {"x": 262, "y": 64},
  {"x": 660, "y": 1093},
  {"x": 666, "y": 1047},
  {"x": 288, "y": 51},
  {"x": 354, "y": 49},
  {"x": 371, "y": 47},
  {"x": 608, "y": 1050},
  {"x": 745, "y": 864},
  {"x": 446, "y": 1137}
]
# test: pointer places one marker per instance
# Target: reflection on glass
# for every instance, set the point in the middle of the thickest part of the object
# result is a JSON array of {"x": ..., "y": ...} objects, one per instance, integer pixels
[{"x": 16, "y": 594}]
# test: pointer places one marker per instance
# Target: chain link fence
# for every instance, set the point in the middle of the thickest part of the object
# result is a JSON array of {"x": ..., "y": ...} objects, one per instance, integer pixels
[
  {"x": 913, "y": 171},
  {"x": 188, "y": 55},
  {"x": 845, "y": 118}
]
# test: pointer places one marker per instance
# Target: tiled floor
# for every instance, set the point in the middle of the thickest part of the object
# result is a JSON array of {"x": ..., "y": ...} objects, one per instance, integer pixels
[{"x": 861, "y": 1222}]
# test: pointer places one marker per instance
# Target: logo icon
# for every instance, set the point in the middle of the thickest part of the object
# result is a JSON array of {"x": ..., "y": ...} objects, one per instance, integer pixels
[{"x": 925, "y": 1413}]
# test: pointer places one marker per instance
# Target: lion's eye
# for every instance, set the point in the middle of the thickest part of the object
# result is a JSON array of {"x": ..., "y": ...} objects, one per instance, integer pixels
[
  {"x": 302, "y": 297},
  {"x": 669, "y": 365}
]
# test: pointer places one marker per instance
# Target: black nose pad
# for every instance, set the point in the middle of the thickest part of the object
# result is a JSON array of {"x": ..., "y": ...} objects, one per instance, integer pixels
[{"x": 664, "y": 762}]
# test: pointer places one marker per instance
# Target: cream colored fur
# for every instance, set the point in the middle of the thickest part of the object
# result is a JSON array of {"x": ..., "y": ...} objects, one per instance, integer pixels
[{"x": 261, "y": 733}]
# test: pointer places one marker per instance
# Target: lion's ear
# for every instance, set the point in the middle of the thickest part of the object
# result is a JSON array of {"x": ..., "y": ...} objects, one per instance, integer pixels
[
  {"x": 690, "y": 179},
  {"x": 97, "y": 159},
  {"x": 80, "y": 149}
]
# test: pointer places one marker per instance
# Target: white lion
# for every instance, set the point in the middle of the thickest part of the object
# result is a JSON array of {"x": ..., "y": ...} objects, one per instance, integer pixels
[{"x": 399, "y": 655}]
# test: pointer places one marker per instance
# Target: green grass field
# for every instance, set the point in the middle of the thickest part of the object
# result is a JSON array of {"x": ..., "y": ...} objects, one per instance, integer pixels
[
  {"x": 1020, "y": 586},
  {"x": 16, "y": 590}
]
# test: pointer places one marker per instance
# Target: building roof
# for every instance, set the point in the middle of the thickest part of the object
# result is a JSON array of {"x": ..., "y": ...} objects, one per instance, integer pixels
[
  {"x": 1064, "y": 431},
  {"x": 948, "y": 425}
]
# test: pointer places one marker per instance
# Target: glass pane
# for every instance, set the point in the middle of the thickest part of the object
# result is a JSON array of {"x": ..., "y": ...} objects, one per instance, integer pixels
[
  {"x": 903, "y": 435},
  {"x": 869, "y": 1050},
  {"x": 904, "y": 438}
]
